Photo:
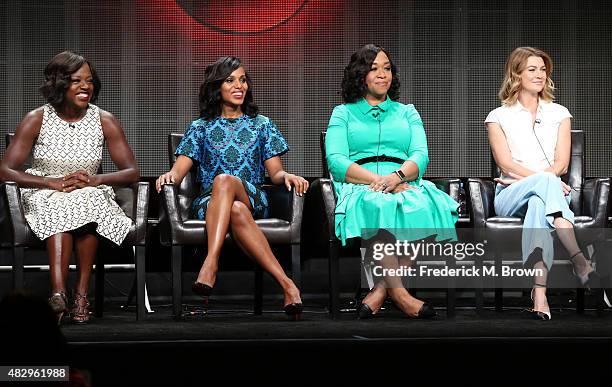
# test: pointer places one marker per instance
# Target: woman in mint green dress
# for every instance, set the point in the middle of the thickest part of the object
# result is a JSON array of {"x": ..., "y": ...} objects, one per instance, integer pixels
[{"x": 376, "y": 152}]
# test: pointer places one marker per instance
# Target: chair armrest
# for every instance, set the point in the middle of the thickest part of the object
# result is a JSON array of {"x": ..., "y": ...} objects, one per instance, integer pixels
[
  {"x": 286, "y": 205},
  {"x": 18, "y": 225},
  {"x": 134, "y": 201},
  {"x": 169, "y": 213},
  {"x": 482, "y": 194},
  {"x": 595, "y": 195},
  {"x": 451, "y": 186},
  {"x": 324, "y": 187},
  {"x": 6, "y": 229}
]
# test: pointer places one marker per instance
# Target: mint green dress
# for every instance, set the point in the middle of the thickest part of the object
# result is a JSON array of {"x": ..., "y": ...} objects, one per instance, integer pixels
[{"x": 358, "y": 130}]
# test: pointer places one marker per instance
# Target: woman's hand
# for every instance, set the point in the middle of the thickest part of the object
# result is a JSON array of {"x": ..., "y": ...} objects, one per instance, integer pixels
[
  {"x": 78, "y": 179},
  {"x": 167, "y": 178},
  {"x": 55, "y": 183},
  {"x": 505, "y": 182},
  {"x": 566, "y": 188},
  {"x": 386, "y": 183},
  {"x": 300, "y": 184},
  {"x": 402, "y": 187}
]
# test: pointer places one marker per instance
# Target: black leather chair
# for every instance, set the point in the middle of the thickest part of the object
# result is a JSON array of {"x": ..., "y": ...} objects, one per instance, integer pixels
[
  {"x": 283, "y": 227},
  {"x": 589, "y": 202},
  {"x": 17, "y": 235},
  {"x": 324, "y": 187}
]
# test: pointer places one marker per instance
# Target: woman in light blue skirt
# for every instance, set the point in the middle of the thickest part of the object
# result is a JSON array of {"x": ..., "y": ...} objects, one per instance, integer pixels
[{"x": 530, "y": 137}]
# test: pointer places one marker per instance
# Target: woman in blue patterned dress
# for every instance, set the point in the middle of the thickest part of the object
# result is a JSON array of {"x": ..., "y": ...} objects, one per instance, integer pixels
[{"x": 233, "y": 147}]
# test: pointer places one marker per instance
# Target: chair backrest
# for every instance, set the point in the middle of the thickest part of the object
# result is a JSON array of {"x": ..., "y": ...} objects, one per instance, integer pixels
[
  {"x": 188, "y": 189},
  {"x": 28, "y": 163},
  {"x": 323, "y": 155},
  {"x": 575, "y": 170},
  {"x": 6, "y": 229}
]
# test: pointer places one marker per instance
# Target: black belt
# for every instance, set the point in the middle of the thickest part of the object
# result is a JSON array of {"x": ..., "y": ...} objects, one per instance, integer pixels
[{"x": 374, "y": 159}]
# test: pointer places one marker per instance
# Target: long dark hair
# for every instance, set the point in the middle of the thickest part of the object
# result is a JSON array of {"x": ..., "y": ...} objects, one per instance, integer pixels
[
  {"x": 57, "y": 77},
  {"x": 353, "y": 82},
  {"x": 210, "y": 90}
]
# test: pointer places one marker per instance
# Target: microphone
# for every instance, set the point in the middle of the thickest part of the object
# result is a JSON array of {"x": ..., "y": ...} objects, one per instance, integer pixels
[
  {"x": 71, "y": 126},
  {"x": 537, "y": 121},
  {"x": 375, "y": 115}
]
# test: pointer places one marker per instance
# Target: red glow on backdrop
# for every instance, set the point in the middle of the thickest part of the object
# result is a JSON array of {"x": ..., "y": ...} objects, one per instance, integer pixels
[
  {"x": 259, "y": 28},
  {"x": 242, "y": 17}
]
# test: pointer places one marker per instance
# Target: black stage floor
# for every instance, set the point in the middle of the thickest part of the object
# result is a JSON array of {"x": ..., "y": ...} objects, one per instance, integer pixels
[{"x": 238, "y": 347}]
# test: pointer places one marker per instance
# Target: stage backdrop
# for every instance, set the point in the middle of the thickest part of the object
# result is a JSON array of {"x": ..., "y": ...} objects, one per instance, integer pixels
[{"x": 151, "y": 54}]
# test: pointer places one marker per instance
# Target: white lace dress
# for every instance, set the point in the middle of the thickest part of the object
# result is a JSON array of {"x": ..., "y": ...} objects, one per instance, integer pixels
[{"x": 62, "y": 148}]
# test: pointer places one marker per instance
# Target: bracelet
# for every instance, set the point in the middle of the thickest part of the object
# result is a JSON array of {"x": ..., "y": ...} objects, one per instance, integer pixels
[{"x": 400, "y": 174}]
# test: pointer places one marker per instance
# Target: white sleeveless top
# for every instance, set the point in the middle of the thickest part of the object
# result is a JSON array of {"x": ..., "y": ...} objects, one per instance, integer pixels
[{"x": 61, "y": 148}]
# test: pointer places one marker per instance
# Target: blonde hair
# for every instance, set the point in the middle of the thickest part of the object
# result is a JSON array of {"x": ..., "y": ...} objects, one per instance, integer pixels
[{"x": 515, "y": 64}]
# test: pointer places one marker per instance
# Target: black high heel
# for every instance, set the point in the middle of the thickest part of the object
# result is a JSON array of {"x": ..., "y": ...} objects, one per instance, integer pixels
[
  {"x": 590, "y": 280},
  {"x": 426, "y": 311},
  {"x": 364, "y": 312},
  {"x": 201, "y": 289},
  {"x": 537, "y": 314},
  {"x": 293, "y": 310}
]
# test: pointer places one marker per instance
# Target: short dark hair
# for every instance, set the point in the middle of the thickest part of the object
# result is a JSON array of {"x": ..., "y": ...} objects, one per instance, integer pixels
[
  {"x": 57, "y": 77},
  {"x": 353, "y": 82},
  {"x": 210, "y": 90}
]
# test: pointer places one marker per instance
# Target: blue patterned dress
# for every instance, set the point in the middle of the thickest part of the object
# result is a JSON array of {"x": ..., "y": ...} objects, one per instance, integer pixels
[{"x": 234, "y": 146}]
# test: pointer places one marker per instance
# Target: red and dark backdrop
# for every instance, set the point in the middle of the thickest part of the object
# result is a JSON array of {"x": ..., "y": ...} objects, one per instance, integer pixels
[{"x": 151, "y": 54}]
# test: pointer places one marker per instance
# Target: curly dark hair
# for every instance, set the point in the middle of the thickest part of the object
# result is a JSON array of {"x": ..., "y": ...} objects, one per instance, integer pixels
[
  {"x": 57, "y": 77},
  {"x": 210, "y": 90},
  {"x": 353, "y": 82}
]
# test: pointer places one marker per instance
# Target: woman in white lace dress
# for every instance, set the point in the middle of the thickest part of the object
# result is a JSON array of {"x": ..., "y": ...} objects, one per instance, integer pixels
[{"x": 66, "y": 203}]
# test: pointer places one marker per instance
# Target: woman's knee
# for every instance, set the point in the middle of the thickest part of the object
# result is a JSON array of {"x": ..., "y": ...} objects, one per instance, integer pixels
[
  {"x": 535, "y": 202},
  {"x": 224, "y": 182},
  {"x": 240, "y": 213}
]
